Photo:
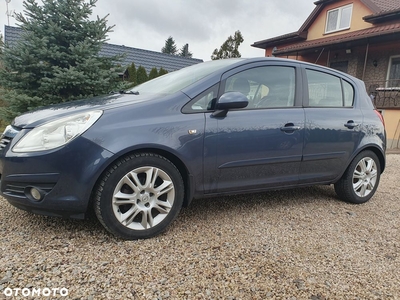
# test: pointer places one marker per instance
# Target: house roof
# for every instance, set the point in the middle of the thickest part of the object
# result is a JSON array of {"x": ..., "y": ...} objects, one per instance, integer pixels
[
  {"x": 376, "y": 6},
  {"x": 352, "y": 37},
  {"x": 382, "y": 11},
  {"x": 382, "y": 6},
  {"x": 146, "y": 58},
  {"x": 282, "y": 39}
]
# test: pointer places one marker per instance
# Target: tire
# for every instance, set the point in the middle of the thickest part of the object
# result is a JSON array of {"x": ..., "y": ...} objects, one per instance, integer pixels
[
  {"x": 139, "y": 196},
  {"x": 361, "y": 179}
]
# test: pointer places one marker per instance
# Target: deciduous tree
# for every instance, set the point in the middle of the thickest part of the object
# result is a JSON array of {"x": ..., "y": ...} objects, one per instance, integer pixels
[{"x": 230, "y": 48}]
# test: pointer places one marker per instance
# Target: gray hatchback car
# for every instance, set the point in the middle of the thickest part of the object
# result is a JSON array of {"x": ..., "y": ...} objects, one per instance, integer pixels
[{"x": 221, "y": 127}]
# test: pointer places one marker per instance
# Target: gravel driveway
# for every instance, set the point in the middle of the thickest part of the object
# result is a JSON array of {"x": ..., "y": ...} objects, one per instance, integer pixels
[{"x": 295, "y": 244}]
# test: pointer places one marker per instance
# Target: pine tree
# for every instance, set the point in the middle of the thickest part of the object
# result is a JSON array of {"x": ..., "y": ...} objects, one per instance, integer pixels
[
  {"x": 56, "y": 58},
  {"x": 229, "y": 48},
  {"x": 170, "y": 46},
  {"x": 153, "y": 73},
  {"x": 141, "y": 75}
]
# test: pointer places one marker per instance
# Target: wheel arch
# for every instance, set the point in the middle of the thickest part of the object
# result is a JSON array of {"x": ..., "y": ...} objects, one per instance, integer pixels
[
  {"x": 183, "y": 170},
  {"x": 379, "y": 153}
]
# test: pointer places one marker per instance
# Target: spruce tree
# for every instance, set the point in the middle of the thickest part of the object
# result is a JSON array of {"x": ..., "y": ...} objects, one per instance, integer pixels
[
  {"x": 153, "y": 73},
  {"x": 132, "y": 73},
  {"x": 141, "y": 75},
  {"x": 184, "y": 52},
  {"x": 169, "y": 47},
  {"x": 56, "y": 58},
  {"x": 162, "y": 71}
]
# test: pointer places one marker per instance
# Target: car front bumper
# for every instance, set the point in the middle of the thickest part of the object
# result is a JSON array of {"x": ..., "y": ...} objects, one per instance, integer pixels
[{"x": 63, "y": 177}]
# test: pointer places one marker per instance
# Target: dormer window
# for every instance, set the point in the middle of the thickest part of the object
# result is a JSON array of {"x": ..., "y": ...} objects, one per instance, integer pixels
[{"x": 338, "y": 18}]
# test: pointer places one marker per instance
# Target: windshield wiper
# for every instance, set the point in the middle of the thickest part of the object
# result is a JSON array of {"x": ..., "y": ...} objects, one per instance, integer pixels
[
  {"x": 129, "y": 92},
  {"x": 124, "y": 92}
]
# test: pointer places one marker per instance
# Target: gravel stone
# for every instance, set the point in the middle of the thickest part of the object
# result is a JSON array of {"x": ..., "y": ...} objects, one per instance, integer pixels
[{"x": 293, "y": 244}]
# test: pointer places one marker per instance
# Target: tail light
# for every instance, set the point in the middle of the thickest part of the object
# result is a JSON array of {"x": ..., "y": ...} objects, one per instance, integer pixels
[{"x": 380, "y": 116}]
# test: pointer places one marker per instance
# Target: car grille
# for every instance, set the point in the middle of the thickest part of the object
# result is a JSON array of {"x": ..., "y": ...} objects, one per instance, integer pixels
[{"x": 4, "y": 142}]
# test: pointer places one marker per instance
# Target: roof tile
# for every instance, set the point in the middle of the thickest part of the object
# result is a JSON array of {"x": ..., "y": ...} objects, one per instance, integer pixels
[{"x": 146, "y": 58}]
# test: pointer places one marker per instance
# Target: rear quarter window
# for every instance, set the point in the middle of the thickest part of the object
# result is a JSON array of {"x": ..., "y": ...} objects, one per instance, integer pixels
[{"x": 348, "y": 93}]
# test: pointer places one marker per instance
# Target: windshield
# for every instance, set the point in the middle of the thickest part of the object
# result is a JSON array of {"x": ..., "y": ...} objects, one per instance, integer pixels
[{"x": 178, "y": 80}]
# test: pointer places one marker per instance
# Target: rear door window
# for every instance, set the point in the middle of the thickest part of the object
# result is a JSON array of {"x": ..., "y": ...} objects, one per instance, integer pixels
[{"x": 326, "y": 90}]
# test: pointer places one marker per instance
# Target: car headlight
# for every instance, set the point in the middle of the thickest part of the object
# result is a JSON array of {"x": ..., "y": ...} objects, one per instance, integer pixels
[{"x": 57, "y": 133}]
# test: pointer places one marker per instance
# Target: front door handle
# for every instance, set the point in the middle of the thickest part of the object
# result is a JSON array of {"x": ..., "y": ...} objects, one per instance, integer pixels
[
  {"x": 290, "y": 127},
  {"x": 350, "y": 124}
]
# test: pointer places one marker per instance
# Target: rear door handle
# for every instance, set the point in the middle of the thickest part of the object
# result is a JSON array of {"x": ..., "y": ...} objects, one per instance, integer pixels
[{"x": 350, "y": 124}]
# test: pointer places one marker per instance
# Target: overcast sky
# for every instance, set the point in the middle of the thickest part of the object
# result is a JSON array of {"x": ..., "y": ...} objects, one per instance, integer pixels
[{"x": 203, "y": 24}]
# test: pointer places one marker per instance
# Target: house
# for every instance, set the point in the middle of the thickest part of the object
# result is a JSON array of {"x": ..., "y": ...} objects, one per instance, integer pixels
[
  {"x": 146, "y": 58},
  {"x": 359, "y": 37}
]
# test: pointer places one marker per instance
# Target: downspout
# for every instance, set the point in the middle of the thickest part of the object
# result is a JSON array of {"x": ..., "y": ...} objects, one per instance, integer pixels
[
  {"x": 329, "y": 57},
  {"x": 365, "y": 61},
  {"x": 320, "y": 55}
]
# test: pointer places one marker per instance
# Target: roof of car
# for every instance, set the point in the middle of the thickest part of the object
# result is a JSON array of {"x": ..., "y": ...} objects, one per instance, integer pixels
[{"x": 297, "y": 62}]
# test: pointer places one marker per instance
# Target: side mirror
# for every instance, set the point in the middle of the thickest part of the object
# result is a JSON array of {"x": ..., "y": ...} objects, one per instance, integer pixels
[{"x": 230, "y": 100}]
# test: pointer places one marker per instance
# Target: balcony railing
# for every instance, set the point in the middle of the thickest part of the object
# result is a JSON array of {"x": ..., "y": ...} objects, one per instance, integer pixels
[{"x": 384, "y": 94}]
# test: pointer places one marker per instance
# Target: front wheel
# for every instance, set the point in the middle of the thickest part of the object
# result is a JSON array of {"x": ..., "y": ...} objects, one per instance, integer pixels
[
  {"x": 361, "y": 179},
  {"x": 139, "y": 196}
]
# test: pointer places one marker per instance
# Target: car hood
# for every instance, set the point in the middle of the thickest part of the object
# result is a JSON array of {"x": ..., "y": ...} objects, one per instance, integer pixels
[{"x": 36, "y": 117}]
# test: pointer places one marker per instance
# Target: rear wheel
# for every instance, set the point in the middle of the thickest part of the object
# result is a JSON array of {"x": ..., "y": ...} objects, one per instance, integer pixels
[
  {"x": 139, "y": 196},
  {"x": 361, "y": 179}
]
